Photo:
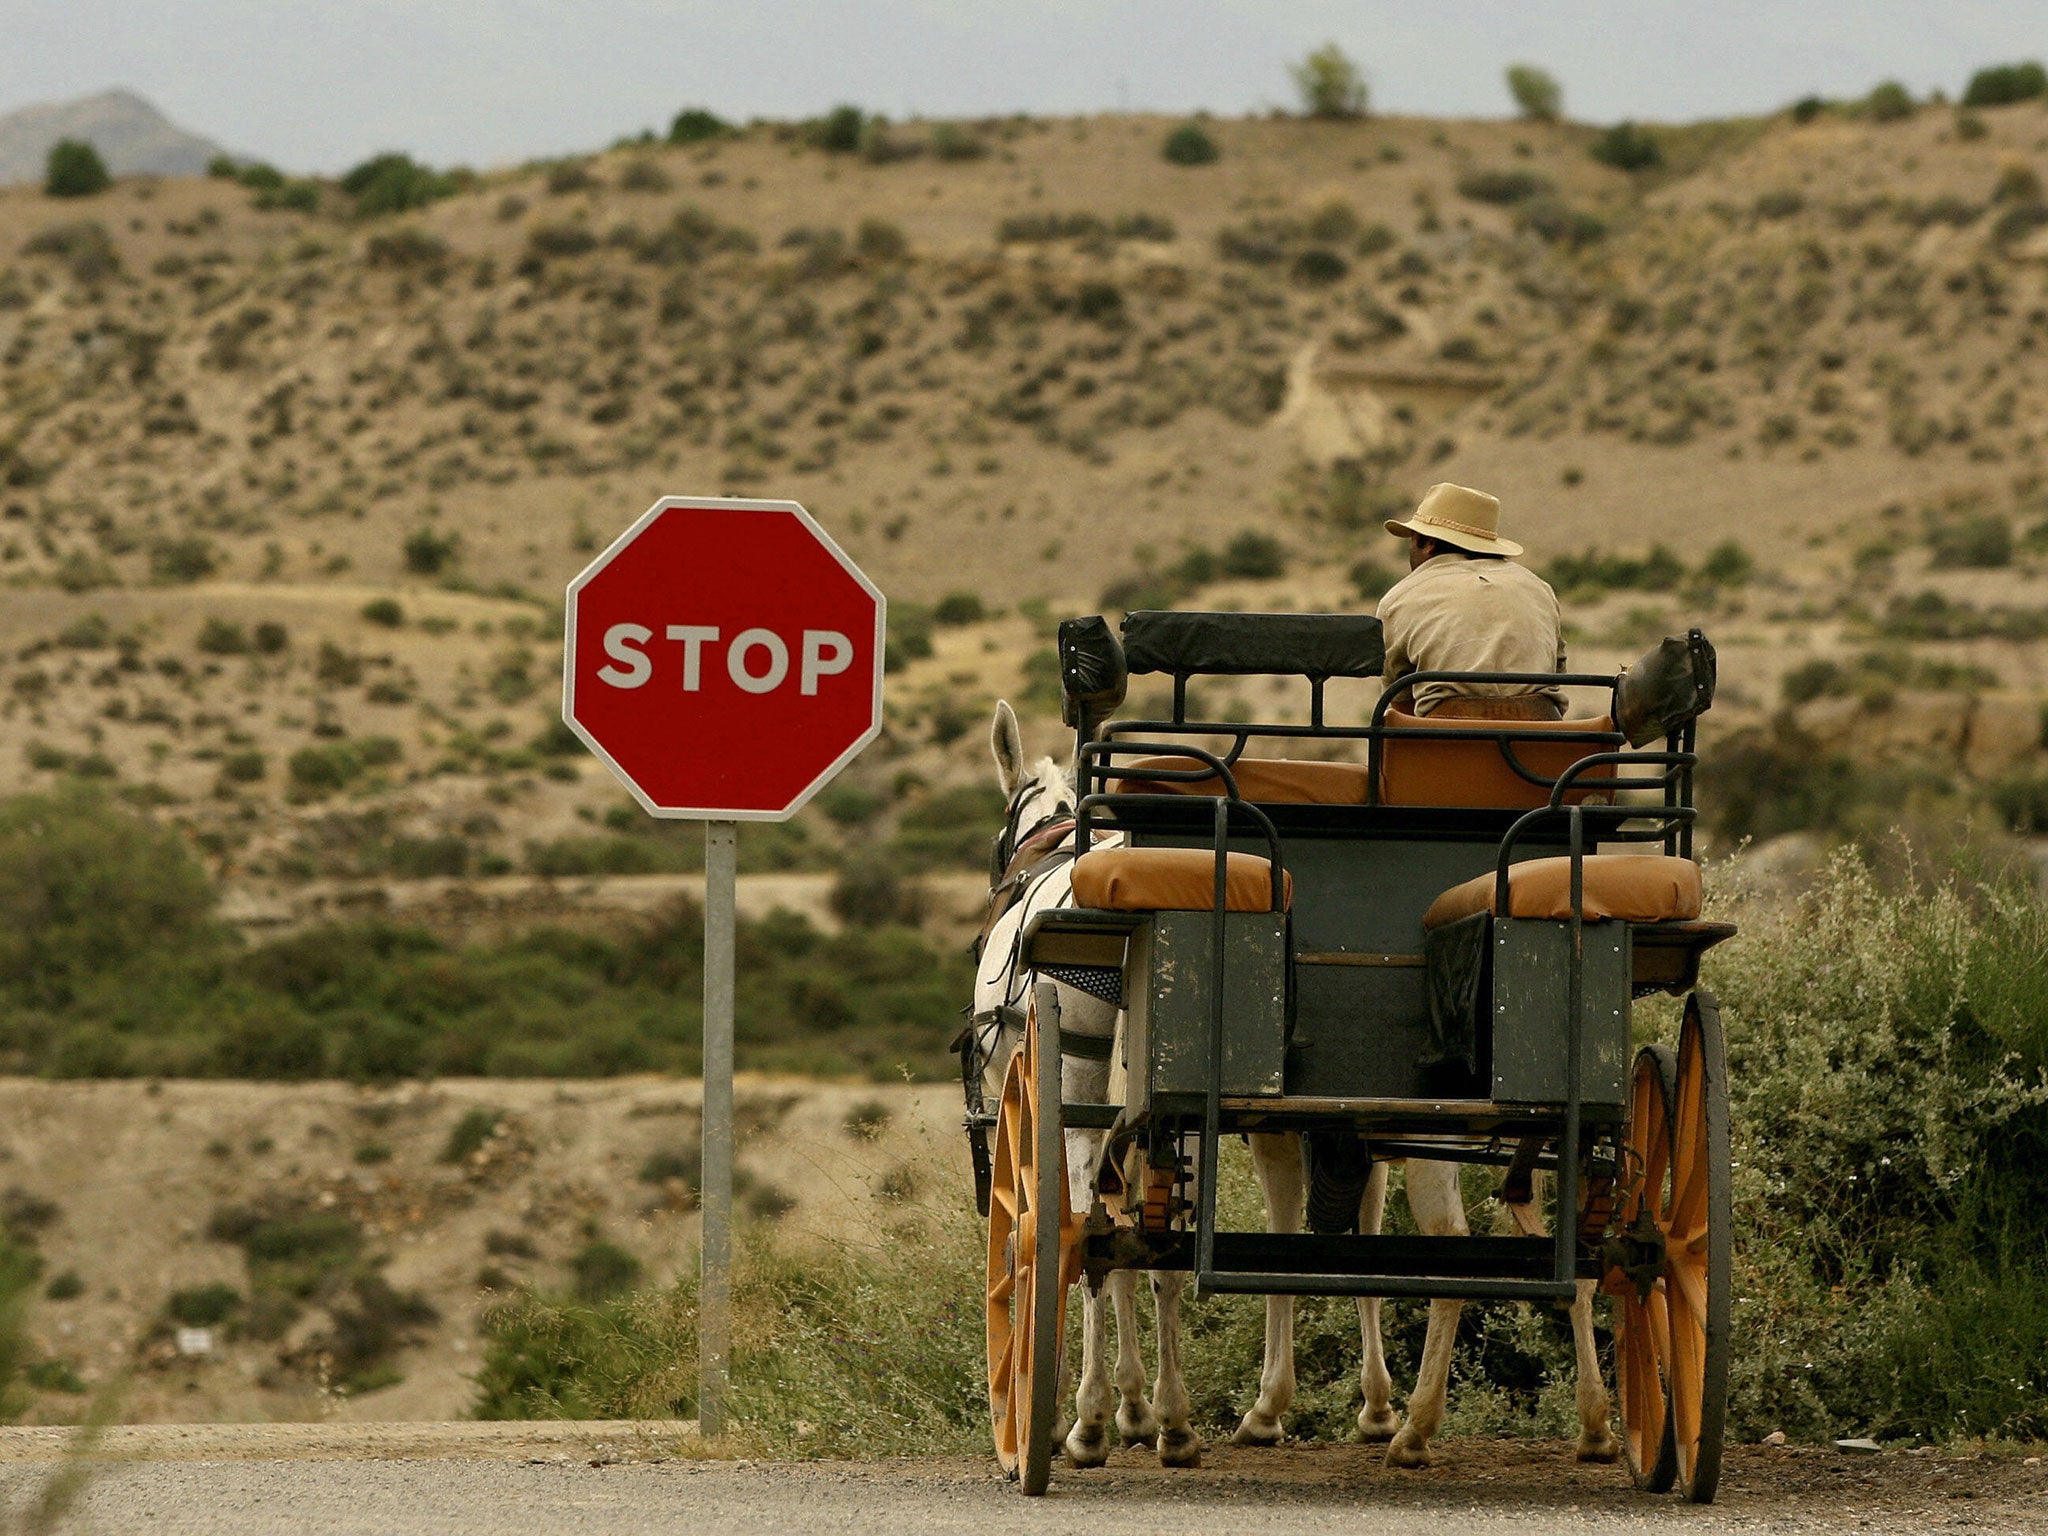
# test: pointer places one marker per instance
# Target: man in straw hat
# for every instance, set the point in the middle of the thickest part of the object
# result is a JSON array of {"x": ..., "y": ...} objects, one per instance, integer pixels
[{"x": 1465, "y": 606}]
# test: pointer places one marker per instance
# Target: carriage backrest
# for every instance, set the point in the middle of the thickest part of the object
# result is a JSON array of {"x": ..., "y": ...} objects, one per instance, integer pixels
[{"x": 1473, "y": 769}]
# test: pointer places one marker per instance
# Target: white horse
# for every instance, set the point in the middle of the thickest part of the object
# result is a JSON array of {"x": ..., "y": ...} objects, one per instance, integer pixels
[
  {"x": 1438, "y": 1205},
  {"x": 1040, "y": 799}
]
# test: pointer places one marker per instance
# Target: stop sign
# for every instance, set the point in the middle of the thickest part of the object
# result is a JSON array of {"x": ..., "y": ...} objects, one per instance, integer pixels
[{"x": 724, "y": 657}]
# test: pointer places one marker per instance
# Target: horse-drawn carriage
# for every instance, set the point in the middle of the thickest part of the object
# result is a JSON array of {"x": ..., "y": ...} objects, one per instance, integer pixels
[{"x": 1429, "y": 954}]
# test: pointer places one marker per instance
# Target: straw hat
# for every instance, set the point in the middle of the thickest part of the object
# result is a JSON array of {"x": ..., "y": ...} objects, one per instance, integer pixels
[{"x": 1465, "y": 519}]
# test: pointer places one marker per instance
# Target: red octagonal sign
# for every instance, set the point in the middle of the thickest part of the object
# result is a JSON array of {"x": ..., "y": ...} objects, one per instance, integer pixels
[{"x": 724, "y": 657}]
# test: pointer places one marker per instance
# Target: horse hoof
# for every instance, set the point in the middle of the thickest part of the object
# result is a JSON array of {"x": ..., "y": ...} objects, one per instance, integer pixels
[
  {"x": 1375, "y": 1428},
  {"x": 1408, "y": 1451},
  {"x": 1257, "y": 1431},
  {"x": 1179, "y": 1448},
  {"x": 1604, "y": 1448},
  {"x": 1087, "y": 1448}
]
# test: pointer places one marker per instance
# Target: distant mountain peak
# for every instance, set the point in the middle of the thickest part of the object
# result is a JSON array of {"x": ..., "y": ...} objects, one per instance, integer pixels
[{"x": 128, "y": 130}]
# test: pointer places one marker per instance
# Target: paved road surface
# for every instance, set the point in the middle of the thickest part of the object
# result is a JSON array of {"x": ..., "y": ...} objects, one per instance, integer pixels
[{"x": 622, "y": 1480}]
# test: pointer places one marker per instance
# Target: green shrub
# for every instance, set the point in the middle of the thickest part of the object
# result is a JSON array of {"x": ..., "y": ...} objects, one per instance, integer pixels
[
  {"x": 909, "y": 637},
  {"x": 957, "y": 608},
  {"x": 1504, "y": 187},
  {"x": 952, "y": 142},
  {"x": 1889, "y": 102},
  {"x": 428, "y": 553},
  {"x": 84, "y": 247},
  {"x": 2000, "y": 85},
  {"x": 222, "y": 637},
  {"x": 1727, "y": 564},
  {"x": 1816, "y": 679},
  {"x": 694, "y": 125},
  {"x": 191, "y": 558},
  {"x": 1190, "y": 144},
  {"x": 1627, "y": 147},
  {"x": 1330, "y": 83},
  {"x": 1555, "y": 223},
  {"x": 203, "y": 1306},
  {"x": 243, "y": 767},
  {"x": 879, "y": 240},
  {"x": 395, "y": 183},
  {"x": 1594, "y": 571},
  {"x": 950, "y": 828},
  {"x": 74, "y": 169},
  {"x": 469, "y": 1134},
  {"x": 405, "y": 250},
  {"x": 384, "y": 611},
  {"x": 1971, "y": 543},
  {"x": 65, "y": 1285},
  {"x": 1318, "y": 266},
  {"x": 570, "y": 238},
  {"x": 1371, "y": 580},
  {"x": 602, "y": 1270},
  {"x": 1780, "y": 204},
  {"x": 1021, "y": 227},
  {"x": 91, "y": 894},
  {"x": 1255, "y": 556},
  {"x": 838, "y": 131},
  {"x": 1537, "y": 95}
]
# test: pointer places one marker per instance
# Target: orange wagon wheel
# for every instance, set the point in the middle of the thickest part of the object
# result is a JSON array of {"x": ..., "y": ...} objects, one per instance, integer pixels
[
  {"x": 1034, "y": 1255},
  {"x": 1641, "y": 1332},
  {"x": 1672, "y": 1343}
]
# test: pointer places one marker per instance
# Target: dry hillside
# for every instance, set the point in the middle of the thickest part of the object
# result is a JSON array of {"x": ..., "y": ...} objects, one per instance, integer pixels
[{"x": 290, "y": 495}]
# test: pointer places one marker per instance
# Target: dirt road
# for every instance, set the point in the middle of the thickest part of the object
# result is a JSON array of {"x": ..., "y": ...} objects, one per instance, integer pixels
[{"x": 509, "y": 1480}]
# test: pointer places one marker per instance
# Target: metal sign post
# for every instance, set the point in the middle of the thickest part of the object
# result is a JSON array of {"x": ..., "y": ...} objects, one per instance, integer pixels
[
  {"x": 714, "y": 1297},
  {"x": 724, "y": 659}
]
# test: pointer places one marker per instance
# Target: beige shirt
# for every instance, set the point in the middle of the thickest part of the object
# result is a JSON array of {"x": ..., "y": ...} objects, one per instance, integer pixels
[{"x": 1453, "y": 614}]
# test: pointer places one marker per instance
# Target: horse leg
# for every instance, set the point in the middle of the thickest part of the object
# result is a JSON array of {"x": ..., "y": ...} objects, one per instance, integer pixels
[
  {"x": 1439, "y": 1209},
  {"x": 1088, "y": 1442},
  {"x": 1376, "y": 1419},
  {"x": 1178, "y": 1445},
  {"x": 1277, "y": 1162},
  {"x": 1135, "y": 1420},
  {"x": 1596, "y": 1434}
]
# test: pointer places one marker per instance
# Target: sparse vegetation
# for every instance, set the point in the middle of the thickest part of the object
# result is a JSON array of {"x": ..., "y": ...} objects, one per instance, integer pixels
[{"x": 1536, "y": 93}]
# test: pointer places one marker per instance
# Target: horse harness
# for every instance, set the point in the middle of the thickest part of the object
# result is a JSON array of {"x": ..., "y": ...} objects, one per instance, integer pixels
[{"x": 1017, "y": 865}]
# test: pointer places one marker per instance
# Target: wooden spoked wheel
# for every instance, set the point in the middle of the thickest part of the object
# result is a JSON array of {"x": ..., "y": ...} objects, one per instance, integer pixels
[
  {"x": 1641, "y": 1328},
  {"x": 1034, "y": 1255},
  {"x": 1672, "y": 1342}
]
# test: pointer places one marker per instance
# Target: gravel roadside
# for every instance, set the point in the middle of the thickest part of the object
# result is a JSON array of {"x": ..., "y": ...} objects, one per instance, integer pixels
[{"x": 484, "y": 1480}]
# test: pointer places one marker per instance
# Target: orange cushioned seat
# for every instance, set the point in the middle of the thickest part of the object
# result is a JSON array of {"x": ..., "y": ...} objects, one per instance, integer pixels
[
  {"x": 1175, "y": 880},
  {"x": 1470, "y": 772},
  {"x": 1635, "y": 889},
  {"x": 1263, "y": 780}
]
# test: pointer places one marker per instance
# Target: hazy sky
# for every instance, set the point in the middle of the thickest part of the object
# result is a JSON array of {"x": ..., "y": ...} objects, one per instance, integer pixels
[{"x": 318, "y": 84}]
